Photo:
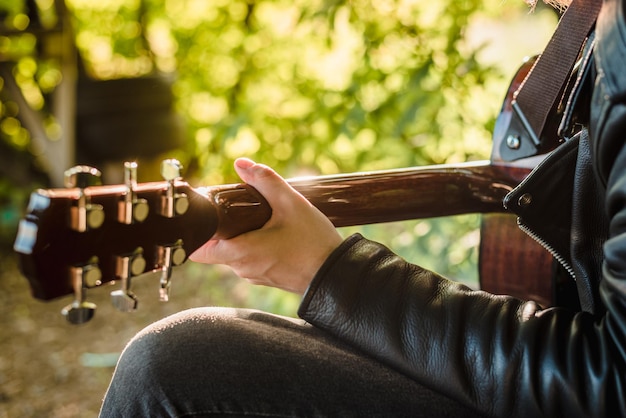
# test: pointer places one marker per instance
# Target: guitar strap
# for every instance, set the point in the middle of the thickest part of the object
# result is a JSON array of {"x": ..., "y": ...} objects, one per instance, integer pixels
[{"x": 540, "y": 93}]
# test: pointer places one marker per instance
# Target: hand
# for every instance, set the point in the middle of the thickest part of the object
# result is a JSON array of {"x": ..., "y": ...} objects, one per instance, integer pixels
[{"x": 289, "y": 249}]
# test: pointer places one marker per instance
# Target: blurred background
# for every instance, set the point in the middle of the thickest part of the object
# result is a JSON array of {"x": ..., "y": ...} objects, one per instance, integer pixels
[{"x": 308, "y": 87}]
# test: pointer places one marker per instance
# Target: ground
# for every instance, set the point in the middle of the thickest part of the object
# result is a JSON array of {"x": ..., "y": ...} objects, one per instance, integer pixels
[{"x": 49, "y": 368}]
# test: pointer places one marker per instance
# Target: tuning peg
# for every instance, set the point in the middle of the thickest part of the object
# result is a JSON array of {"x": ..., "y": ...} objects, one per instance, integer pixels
[
  {"x": 81, "y": 311},
  {"x": 171, "y": 169},
  {"x": 84, "y": 215},
  {"x": 169, "y": 257},
  {"x": 127, "y": 267},
  {"x": 131, "y": 208},
  {"x": 172, "y": 203},
  {"x": 82, "y": 176}
]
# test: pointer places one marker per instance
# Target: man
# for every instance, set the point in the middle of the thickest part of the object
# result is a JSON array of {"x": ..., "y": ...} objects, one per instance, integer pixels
[{"x": 382, "y": 337}]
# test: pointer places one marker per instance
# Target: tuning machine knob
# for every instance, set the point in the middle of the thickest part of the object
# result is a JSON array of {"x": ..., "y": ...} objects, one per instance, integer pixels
[
  {"x": 82, "y": 277},
  {"x": 84, "y": 215},
  {"x": 172, "y": 203},
  {"x": 127, "y": 267},
  {"x": 131, "y": 208}
]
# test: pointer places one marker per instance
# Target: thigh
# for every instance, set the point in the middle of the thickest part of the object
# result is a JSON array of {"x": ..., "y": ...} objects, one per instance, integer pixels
[{"x": 211, "y": 362}]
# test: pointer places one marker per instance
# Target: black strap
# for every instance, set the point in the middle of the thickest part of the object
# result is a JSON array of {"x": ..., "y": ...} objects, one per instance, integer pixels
[{"x": 541, "y": 91}]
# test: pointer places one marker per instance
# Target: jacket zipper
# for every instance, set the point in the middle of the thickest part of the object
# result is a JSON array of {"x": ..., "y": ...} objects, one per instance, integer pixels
[{"x": 548, "y": 247}]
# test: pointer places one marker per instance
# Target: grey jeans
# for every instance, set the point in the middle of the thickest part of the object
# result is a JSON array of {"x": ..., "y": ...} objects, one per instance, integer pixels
[{"x": 233, "y": 362}]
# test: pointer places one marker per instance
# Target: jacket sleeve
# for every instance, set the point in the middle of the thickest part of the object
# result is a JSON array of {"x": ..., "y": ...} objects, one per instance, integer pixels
[{"x": 497, "y": 354}]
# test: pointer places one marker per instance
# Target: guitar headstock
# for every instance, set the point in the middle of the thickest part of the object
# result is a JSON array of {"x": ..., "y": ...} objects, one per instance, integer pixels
[{"x": 86, "y": 235}]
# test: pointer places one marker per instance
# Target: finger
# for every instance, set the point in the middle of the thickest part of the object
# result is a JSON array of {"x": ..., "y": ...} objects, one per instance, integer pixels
[
  {"x": 205, "y": 253},
  {"x": 228, "y": 251},
  {"x": 241, "y": 255},
  {"x": 264, "y": 179}
]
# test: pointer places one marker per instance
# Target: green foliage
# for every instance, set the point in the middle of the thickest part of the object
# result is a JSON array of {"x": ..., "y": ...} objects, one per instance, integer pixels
[
  {"x": 334, "y": 89},
  {"x": 317, "y": 86}
]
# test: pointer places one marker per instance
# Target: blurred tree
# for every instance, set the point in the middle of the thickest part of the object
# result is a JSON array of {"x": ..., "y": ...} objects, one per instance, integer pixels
[
  {"x": 322, "y": 86},
  {"x": 19, "y": 171}
]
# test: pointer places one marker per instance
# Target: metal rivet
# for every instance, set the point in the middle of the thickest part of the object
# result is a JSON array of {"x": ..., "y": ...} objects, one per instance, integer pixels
[
  {"x": 513, "y": 141},
  {"x": 525, "y": 199}
]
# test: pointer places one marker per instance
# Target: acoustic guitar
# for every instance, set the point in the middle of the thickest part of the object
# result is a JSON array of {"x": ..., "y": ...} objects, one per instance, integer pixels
[{"x": 86, "y": 235}]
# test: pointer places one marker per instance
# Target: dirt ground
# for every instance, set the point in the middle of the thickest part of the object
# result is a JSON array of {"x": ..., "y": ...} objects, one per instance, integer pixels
[{"x": 49, "y": 368}]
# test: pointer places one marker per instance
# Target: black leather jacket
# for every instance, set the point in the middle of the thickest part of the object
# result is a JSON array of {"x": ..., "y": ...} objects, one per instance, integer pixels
[{"x": 500, "y": 355}]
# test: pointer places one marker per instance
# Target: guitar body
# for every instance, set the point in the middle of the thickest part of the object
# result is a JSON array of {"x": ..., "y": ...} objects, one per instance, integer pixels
[{"x": 512, "y": 263}]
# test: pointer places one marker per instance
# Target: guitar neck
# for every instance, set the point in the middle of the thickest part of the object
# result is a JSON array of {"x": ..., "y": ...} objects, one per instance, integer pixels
[
  {"x": 379, "y": 196},
  {"x": 49, "y": 246}
]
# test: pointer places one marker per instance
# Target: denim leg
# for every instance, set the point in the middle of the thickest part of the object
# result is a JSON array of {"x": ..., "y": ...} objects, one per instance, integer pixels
[{"x": 233, "y": 362}]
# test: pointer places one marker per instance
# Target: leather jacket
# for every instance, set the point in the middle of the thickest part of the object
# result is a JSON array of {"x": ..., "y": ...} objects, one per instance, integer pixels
[{"x": 499, "y": 355}]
